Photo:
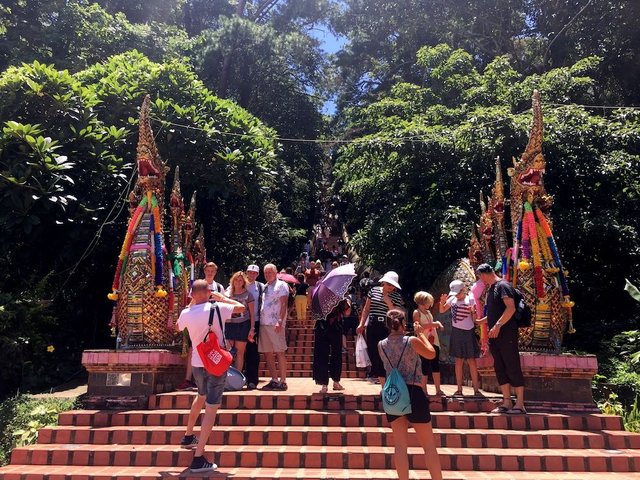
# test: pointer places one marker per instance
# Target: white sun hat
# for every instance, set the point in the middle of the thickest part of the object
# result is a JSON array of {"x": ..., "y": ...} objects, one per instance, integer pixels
[{"x": 392, "y": 279}]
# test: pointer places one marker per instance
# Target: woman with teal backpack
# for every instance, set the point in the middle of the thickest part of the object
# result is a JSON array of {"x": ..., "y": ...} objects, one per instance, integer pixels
[{"x": 404, "y": 399}]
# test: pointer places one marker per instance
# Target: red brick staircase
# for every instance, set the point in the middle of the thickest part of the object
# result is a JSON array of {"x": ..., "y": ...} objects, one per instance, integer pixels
[{"x": 303, "y": 435}]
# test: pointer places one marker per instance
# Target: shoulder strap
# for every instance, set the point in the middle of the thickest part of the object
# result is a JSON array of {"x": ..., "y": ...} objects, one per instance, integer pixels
[
  {"x": 211, "y": 312},
  {"x": 219, "y": 319},
  {"x": 399, "y": 358}
]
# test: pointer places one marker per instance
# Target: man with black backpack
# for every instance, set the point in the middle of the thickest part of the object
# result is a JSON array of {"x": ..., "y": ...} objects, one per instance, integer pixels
[{"x": 502, "y": 301}]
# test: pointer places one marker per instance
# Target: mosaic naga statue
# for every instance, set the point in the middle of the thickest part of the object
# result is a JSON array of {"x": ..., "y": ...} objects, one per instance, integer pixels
[
  {"x": 141, "y": 281},
  {"x": 534, "y": 264}
]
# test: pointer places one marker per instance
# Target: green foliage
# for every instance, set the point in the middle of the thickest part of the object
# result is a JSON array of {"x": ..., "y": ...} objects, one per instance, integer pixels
[
  {"x": 269, "y": 73},
  {"x": 630, "y": 416},
  {"x": 410, "y": 179},
  {"x": 537, "y": 35},
  {"x": 67, "y": 149},
  {"x": 77, "y": 34},
  {"x": 21, "y": 417}
]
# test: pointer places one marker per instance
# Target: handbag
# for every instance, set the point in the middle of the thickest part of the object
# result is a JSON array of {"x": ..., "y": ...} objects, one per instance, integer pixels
[
  {"x": 362, "y": 355},
  {"x": 216, "y": 359}
]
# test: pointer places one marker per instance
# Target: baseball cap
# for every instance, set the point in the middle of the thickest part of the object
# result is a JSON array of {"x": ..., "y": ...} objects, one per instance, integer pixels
[
  {"x": 455, "y": 287},
  {"x": 253, "y": 268}
]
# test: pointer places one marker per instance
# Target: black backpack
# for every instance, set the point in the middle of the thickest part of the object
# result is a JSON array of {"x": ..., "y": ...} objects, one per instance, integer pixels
[{"x": 523, "y": 312}]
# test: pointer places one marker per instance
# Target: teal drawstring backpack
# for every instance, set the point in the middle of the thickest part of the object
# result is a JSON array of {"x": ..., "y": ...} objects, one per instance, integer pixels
[{"x": 395, "y": 394}]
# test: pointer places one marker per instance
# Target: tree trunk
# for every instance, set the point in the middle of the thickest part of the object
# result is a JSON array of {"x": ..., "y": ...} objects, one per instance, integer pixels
[{"x": 226, "y": 64}]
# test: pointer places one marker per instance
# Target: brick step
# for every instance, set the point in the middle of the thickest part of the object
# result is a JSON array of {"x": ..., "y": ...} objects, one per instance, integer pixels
[
  {"x": 49, "y": 472},
  {"x": 308, "y": 373},
  {"x": 298, "y": 357},
  {"x": 277, "y": 456},
  {"x": 344, "y": 418},
  {"x": 347, "y": 437}
]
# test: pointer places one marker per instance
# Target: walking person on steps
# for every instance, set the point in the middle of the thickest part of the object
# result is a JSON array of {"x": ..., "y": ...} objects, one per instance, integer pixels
[
  {"x": 327, "y": 347},
  {"x": 195, "y": 318},
  {"x": 380, "y": 300},
  {"x": 404, "y": 353}
]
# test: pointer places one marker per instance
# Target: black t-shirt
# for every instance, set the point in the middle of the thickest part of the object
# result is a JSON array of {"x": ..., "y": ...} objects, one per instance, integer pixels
[
  {"x": 495, "y": 303},
  {"x": 301, "y": 288}
]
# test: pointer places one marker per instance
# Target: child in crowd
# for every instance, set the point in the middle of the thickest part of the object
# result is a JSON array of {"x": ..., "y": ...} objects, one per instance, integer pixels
[
  {"x": 423, "y": 316},
  {"x": 464, "y": 344}
]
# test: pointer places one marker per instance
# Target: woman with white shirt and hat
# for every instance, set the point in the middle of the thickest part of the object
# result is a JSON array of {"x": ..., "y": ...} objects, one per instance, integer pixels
[{"x": 374, "y": 318}]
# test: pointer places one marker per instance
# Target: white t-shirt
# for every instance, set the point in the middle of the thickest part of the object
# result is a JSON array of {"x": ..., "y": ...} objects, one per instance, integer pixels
[
  {"x": 270, "y": 312},
  {"x": 461, "y": 316},
  {"x": 196, "y": 320}
]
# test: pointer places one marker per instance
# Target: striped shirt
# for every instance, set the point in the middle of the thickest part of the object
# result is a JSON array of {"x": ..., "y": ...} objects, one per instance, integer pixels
[
  {"x": 378, "y": 308},
  {"x": 461, "y": 316}
]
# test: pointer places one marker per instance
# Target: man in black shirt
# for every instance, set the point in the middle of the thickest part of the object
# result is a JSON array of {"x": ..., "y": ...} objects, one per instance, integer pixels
[{"x": 503, "y": 339}]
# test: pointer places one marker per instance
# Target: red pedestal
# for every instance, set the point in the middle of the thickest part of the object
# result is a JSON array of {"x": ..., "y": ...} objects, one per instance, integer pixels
[
  {"x": 127, "y": 378},
  {"x": 561, "y": 381}
]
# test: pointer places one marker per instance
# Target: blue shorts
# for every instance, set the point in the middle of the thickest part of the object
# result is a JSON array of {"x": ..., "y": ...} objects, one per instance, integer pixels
[{"x": 209, "y": 385}]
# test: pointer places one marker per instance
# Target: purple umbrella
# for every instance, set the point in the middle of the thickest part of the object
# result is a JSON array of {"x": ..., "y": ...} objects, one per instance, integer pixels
[{"x": 331, "y": 290}]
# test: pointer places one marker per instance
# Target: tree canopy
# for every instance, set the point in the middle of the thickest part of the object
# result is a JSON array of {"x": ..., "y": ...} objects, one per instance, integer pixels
[{"x": 427, "y": 93}]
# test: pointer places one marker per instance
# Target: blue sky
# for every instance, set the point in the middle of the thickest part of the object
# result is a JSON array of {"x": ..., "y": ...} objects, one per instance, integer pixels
[{"x": 330, "y": 44}]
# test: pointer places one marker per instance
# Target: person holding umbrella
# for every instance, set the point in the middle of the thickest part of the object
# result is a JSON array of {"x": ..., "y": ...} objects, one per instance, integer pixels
[
  {"x": 380, "y": 300},
  {"x": 329, "y": 306}
]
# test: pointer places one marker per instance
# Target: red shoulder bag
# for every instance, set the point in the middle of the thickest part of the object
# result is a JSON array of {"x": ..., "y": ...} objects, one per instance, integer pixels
[{"x": 216, "y": 359}]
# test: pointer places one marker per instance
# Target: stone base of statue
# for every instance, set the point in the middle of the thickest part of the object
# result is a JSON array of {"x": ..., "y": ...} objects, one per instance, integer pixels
[
  {"x": 560, "y": 381},
  {"x": 126, "y": 379}
]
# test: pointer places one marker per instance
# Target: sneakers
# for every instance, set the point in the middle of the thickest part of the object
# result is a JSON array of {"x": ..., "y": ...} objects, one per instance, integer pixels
[
  {"x": 251, "y": 386},
  {"x": 282, "y": 387},
  {"x": 200, "y": 465},
  {"x": 272, "y": 385},
  {"x": 189, "y": 441},
  {"x": 186, "y": 385}
]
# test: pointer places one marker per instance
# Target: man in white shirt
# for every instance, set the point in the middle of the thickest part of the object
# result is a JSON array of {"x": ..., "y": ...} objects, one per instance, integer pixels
[
  {"x": 195, "y": 318},
  {"x": 273, "y": 320},
  {"x": 210, "y": 272}
]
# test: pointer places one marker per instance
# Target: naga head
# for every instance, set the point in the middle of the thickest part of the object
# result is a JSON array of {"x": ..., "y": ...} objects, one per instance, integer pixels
[
  {"x": 150, "y": 165},
  {"x": 527, "y": 174}
]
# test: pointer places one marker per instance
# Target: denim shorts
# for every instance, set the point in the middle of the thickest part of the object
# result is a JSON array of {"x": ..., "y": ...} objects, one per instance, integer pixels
[{"x": 209, "y": 385}]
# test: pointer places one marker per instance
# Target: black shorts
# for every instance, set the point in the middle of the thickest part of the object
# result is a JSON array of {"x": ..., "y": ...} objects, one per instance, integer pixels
[
  {"x": 419, "y": 407},
  {"x": 431, "y": 366},
  {"x": 506, "y": 358}
]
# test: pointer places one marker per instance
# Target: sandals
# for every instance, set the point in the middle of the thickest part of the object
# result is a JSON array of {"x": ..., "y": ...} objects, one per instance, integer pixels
[
  {"x": 501, "y": 409},
  {"x": 457, "y": 393},
  {"x": 324, "y": 390},
  {"x": 337, "y": 387},
  {"x": 517, "y": 411}
]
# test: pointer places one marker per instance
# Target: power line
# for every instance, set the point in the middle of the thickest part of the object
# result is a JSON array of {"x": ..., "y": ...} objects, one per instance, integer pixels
[{"x": 417, "y": 138}]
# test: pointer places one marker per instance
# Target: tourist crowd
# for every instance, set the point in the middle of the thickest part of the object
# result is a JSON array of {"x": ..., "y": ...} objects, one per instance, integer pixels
[{"x": 252, "y": 320}]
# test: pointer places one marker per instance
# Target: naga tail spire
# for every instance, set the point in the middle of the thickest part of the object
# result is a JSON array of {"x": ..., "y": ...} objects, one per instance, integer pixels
[{"x": 498, "y": 213}]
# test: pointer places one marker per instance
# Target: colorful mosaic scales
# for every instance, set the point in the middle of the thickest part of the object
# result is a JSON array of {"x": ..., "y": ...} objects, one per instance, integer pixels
[
  {"x": 141, "y": 283},
  {"x": 533, "y": 263}
]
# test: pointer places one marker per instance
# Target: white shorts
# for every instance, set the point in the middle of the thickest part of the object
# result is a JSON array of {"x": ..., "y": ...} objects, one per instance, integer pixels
[{"x": 270, "y": 341}]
